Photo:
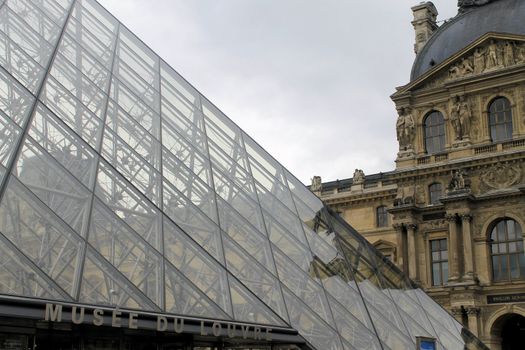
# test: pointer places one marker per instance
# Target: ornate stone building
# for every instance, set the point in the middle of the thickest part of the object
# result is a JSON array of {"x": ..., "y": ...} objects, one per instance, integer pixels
[{"x": 452, "y": 213}]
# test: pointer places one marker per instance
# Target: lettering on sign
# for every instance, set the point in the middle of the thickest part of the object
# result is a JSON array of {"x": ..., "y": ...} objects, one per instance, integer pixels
[
  {"x": 117, "y": 318},
  {"x": 506, "y": 298}
]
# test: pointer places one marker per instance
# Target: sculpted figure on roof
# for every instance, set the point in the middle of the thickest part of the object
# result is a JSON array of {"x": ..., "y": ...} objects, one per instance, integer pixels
[{"x": 462, "y": 4}]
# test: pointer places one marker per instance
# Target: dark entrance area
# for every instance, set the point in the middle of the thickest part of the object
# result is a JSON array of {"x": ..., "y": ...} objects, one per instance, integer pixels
[{"x": 513, "y": 333}]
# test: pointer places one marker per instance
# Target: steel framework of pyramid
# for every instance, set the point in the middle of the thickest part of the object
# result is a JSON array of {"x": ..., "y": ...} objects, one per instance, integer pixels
[{"x": 122, "y": 186}]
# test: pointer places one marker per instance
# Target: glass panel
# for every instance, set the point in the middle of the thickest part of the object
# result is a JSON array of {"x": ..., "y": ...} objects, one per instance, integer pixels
[
  {"x": 35, "y": 19},
  {"x": 302, "y": 285},
  {"x": 194, "y": 222},
  {"x": 102, "y": 284},
  {"x": 129, "y": 205},
  {"x": 189, "y": 184},
  {"x": 176, "y": 88},
  {"x": 63, "y": 145},
  {"x": 197, "y": 266},
  {"x": 183, "y": 298},
  {"x": 127, "y": 251},
  {"x": 247, "y": 308},
  {"x": 135, "y": 108},
  {"x": 83, "y": 60},
  {"x": 133, "y": 135},
  {"x": 184, "y": 151},
  {"x": 19, "y": 277},
  {"x": 20, "y": 64},
  {"x": 15, "y": 101},
  {"x": 41, "y": 236},
  {"x": 29, "y": 41},
  {"x": 56, "y": 10},
  {"x": 96, "y": 20},
  {"x": 129, "y": 164},
  {"x": 53, "y": 185},
  {"x": 309, "y": 325},
  {"x": 259, "y": 281},
  {"x": 240, "y": 230},
  {"x": 78, "y": 85},
  {"x": 9, "y": 139},
  {"x": 72, "y": 112}
]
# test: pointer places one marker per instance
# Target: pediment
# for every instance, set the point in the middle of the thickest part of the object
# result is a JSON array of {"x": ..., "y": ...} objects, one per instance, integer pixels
[
  {"x": 384, "y": 245},
  {"x": 490, "y": 53}
]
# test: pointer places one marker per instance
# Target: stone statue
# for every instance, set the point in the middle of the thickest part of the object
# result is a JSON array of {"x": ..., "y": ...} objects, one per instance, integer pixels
[
  {"x": 460, "y": 117},
  {"x": 492, "y": 55},
  {"x": 479, "y": 60},
  {"x": 464, "y": 4},
  {"x": 317, "y": 185},
  {"x": 458, "y": 181},
  {"x": 466, "y": 66},
  {"x": 359, "y": 177},
  {"x": 405, "y": 127},
  {"x": 508, "y": 54}
]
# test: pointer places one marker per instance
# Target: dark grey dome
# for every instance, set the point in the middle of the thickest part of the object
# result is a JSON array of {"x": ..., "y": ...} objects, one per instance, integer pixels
[{"x": 501, "y": 16}]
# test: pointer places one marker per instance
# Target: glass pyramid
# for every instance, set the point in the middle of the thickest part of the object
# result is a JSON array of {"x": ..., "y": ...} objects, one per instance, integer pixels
[{"x": 120, "y": 184}]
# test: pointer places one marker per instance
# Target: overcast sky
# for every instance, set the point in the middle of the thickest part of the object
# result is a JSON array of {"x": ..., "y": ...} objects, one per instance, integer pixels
[{"x": 309, "y": 80}]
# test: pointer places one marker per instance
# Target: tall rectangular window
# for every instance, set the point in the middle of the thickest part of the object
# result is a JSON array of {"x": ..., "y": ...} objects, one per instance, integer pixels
[
  {"x": 381, "y": 216},
  {"x": 439, "y": 255}
]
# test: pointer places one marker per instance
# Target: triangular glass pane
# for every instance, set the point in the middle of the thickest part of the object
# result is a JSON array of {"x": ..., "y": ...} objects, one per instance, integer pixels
[
  {"x": 127, "y": 251},
  {"x": 189, "y": 184},
  {"x": 15, "y": 101},
  {"x": 351, "y": 330},
  {"x": 40, "y": 235},
  {"x": 9, "y": 138},
  {"x": 194, "y": 222},
  {"x": 309, "y": 325},
  {"x": 247, "y": 308},
  {"x": 35, "y": 19},
  {"x": 89, "y": 65},
  {"x": 54, "y": 186},
  {"x": 133, "y": 134},
  {"x": 183, "y": 298},
  {"x": 258, "y": 280},
  {"x": 102, "y": 284},
  {"x": 129, "y": 205},
  {"x": 14, "y": 60},
  {"x": 72, "y": 112},
  {"x": 132, "y": 166},
  {"x": 64, "y": 145},
  {"x": 303, "y": 285},
  {"x": 28, "y": 40},
  {"x": 19, "y": 277},
  {"x": 192, "y": 154},
  {"x": 250, "y": 239},
  {"x": 200, "y": 268}
]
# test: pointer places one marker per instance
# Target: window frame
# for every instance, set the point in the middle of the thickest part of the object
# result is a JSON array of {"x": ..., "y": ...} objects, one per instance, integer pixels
[
  {"x": 505, "y": 257},
  {"x": 434, "y": 143},
  {"x": 495, "y": 127},
  {"x": 440, "y": 261},
  {"x": 431, "y": 200},
  {"x": 381, "y": 217}
]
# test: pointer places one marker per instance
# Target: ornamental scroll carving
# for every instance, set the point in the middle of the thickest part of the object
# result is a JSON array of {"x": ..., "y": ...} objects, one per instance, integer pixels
[
  {"x": 491, "y": 56},
  {"x": 500, "y": 176}
]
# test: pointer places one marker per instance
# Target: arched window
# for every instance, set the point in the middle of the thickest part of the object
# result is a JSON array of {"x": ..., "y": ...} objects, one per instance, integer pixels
[
  {"x": 381, "y": 216},
  {"x": 506, "y": 250},
  {"x": 435, "y": 191},
  {"x": 500, "y": 119},
  {"x": 434, "y": 126}
]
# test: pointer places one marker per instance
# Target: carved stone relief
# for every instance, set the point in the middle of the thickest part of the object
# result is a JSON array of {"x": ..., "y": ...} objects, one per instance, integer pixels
[
  {"x": 500, "y": 176},
  {"x": 461, "y": 118},
  {"x": 359, "y": 177},
  {"x": 316, "y": 185},
  {"x": 491, "y": 56}
]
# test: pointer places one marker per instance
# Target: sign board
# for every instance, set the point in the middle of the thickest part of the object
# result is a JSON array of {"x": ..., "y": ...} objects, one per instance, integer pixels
[{"x": 506, "y": 298}]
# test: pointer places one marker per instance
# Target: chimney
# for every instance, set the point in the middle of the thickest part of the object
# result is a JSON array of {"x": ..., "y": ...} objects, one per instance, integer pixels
[{"x": 425, "y": 15}]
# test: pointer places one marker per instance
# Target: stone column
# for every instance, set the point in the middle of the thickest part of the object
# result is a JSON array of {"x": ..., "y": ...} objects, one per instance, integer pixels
[
  {"x": 468, "y": 254},
  {"x": 473, "y": 323},
  {"x": 412, "y": 254},
  {"x": 400, "y": 253},
  {"x": 453, "y": 246}
]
